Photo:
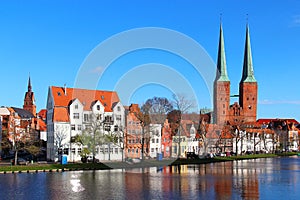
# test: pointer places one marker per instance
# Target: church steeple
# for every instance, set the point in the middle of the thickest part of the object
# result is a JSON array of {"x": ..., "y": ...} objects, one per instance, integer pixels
[
  {"x": 248, "y": 74},
  {"x": 248, "y": 85},
  {"x": 29, "y": 101},
  {"x": 221, "y": 63},
  {"x": 29, "y": 85},
  {"x": 221, "y": 86}
]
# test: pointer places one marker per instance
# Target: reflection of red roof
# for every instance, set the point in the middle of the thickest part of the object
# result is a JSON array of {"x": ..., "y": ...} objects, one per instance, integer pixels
[{"x": 86, "y": 97}]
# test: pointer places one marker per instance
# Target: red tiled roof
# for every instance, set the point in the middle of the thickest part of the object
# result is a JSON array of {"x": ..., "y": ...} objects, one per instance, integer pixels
[
  {"x": 43, "y": 113},
  {"x": 266, "y": 121},
  {"x": 43, "y": 125},
  {"x": 86, "y": 97},
  {"x": 60, "y": 114},
  {"x": 63, "y": 98}
]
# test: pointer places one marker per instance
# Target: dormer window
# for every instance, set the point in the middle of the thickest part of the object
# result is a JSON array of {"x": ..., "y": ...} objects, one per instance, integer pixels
[
  {"x": 102, "y": 97},
  {"x": 58, "y": 93}
]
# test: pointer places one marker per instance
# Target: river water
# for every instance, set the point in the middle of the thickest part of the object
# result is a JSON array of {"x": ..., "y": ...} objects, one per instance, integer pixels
[{"x": 270, "y": 178}]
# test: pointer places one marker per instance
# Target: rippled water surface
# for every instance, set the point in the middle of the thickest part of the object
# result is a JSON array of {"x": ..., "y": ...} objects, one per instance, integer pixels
[{"x": 271, "y": 178}]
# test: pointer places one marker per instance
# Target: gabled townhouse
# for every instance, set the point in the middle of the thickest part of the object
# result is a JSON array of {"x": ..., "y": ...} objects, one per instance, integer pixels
[
  {"x": 166, "y": 140},
  {"x": 133, "y": 138},
  {"x": 70, "y": 111},
  {"x": 155, "y": 140},
  {"x": 286, "y": 133},
  {"x": 186, "y": 139}
]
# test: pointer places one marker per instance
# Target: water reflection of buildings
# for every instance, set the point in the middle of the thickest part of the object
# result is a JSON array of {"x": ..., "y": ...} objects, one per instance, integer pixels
[{"x": 246, "y": 179}]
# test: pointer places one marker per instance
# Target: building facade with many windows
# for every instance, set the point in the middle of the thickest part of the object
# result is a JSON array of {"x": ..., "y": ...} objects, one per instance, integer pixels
[{"x": 72, "y": 112}]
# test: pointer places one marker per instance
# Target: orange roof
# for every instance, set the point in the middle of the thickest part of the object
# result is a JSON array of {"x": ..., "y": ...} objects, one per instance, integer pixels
[
  {"x": 43, "y": 113},
  {"x": 86, "y": 97},
  {"x": 60, "y": 114},
  {"x": 266, "y": 121},
  {"x": 43, "y": 125}
]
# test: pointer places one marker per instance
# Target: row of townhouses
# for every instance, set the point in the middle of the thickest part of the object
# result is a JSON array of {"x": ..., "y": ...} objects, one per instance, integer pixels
[{"x": 79, "y": 119}]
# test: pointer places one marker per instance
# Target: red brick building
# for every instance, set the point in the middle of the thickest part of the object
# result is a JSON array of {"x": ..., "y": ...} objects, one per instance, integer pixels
[
  {"x": 133, "y": 137},
  {"x": 245, "y": 110},
  {"x": 29, "y": 101}
]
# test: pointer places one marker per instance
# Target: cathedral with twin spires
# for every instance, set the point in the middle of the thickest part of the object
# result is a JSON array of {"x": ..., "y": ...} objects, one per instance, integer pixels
[{"x": 246, "y": 109}]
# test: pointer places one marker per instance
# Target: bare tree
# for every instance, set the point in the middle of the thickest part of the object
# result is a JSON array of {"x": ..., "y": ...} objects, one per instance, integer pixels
[
  {"x": 144, "y": 118},
  {"x": 183, "y": 105},
  {"x": 158, "y": 107},
  {"x": 60, "y": 134}
]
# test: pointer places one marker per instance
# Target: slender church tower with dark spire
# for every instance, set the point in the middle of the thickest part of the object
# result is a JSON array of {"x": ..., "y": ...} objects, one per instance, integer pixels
[
  {"x": 248, "y": 84},
  {"x": 29, "y": 102},
  {"x": 221, "y": 85}
]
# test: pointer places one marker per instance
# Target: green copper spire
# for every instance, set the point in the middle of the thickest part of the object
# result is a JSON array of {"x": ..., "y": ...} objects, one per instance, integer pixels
[
  {"x": 221, "y": 65},
  {"x": 248, "y": 74}
]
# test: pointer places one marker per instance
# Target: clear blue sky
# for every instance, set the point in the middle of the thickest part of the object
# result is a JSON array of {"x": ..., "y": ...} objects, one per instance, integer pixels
[{"x": 52, "y": 39}]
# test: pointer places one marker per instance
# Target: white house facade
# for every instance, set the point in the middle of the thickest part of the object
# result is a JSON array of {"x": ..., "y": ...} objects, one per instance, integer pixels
[
  {"x": 155, "y": 140},
  {"x": 72, "y": 111}
]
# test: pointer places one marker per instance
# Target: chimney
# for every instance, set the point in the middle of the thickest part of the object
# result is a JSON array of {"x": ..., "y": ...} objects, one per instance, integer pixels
[{"x": 65, "y": 89}]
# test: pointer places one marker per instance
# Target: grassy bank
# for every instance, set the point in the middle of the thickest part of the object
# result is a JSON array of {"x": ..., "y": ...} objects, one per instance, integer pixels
[{"x": 123, "y": 165}]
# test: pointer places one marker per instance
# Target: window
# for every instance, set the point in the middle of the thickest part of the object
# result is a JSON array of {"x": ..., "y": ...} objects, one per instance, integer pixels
[
  {"x": 157, "y": 141},
  {"x": 111, "y": 150},
  {"x": 79, "y": 127},
  {"x": 79, "y": 150},
  {"x": 99, "y": 117},
  {"x": 102, "y": 97},
  {"x": 137, "y": 151},
  {"x": 152, "y": 150},
  {"x": 107, "y": 128},
  {"x": 116, "y": 150},
  {"x": 66, "y": 151},
  {"x": 101, "y": 150},
  {"x": 73, "y": 127},
  {"x": 119, "y": 108},
  {"x": 106, "y": 150},
  {"x": 86, "y": 117},
  {"x": 128, "y": 150},
  {"x": 73, "y": 150},
  {"x": 75, "y": 115},
  {"x": 118, "y": 117},
  {"x": 98, "y": 107},
  {"x": 76, "y": 106},
  {"x": 116, "y": 128},
  {"x": 153, "y": 140}
]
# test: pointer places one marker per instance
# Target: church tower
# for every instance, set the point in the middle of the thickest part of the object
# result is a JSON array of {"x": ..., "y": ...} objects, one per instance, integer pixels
[
  {"x": 29, "y": 102},
  {"x": 248, "y": 85},
  {"x": 221, "y": 86}
]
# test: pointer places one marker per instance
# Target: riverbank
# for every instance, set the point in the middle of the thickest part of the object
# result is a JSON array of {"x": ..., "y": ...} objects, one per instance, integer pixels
[{"x": 52, "y": 167}]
